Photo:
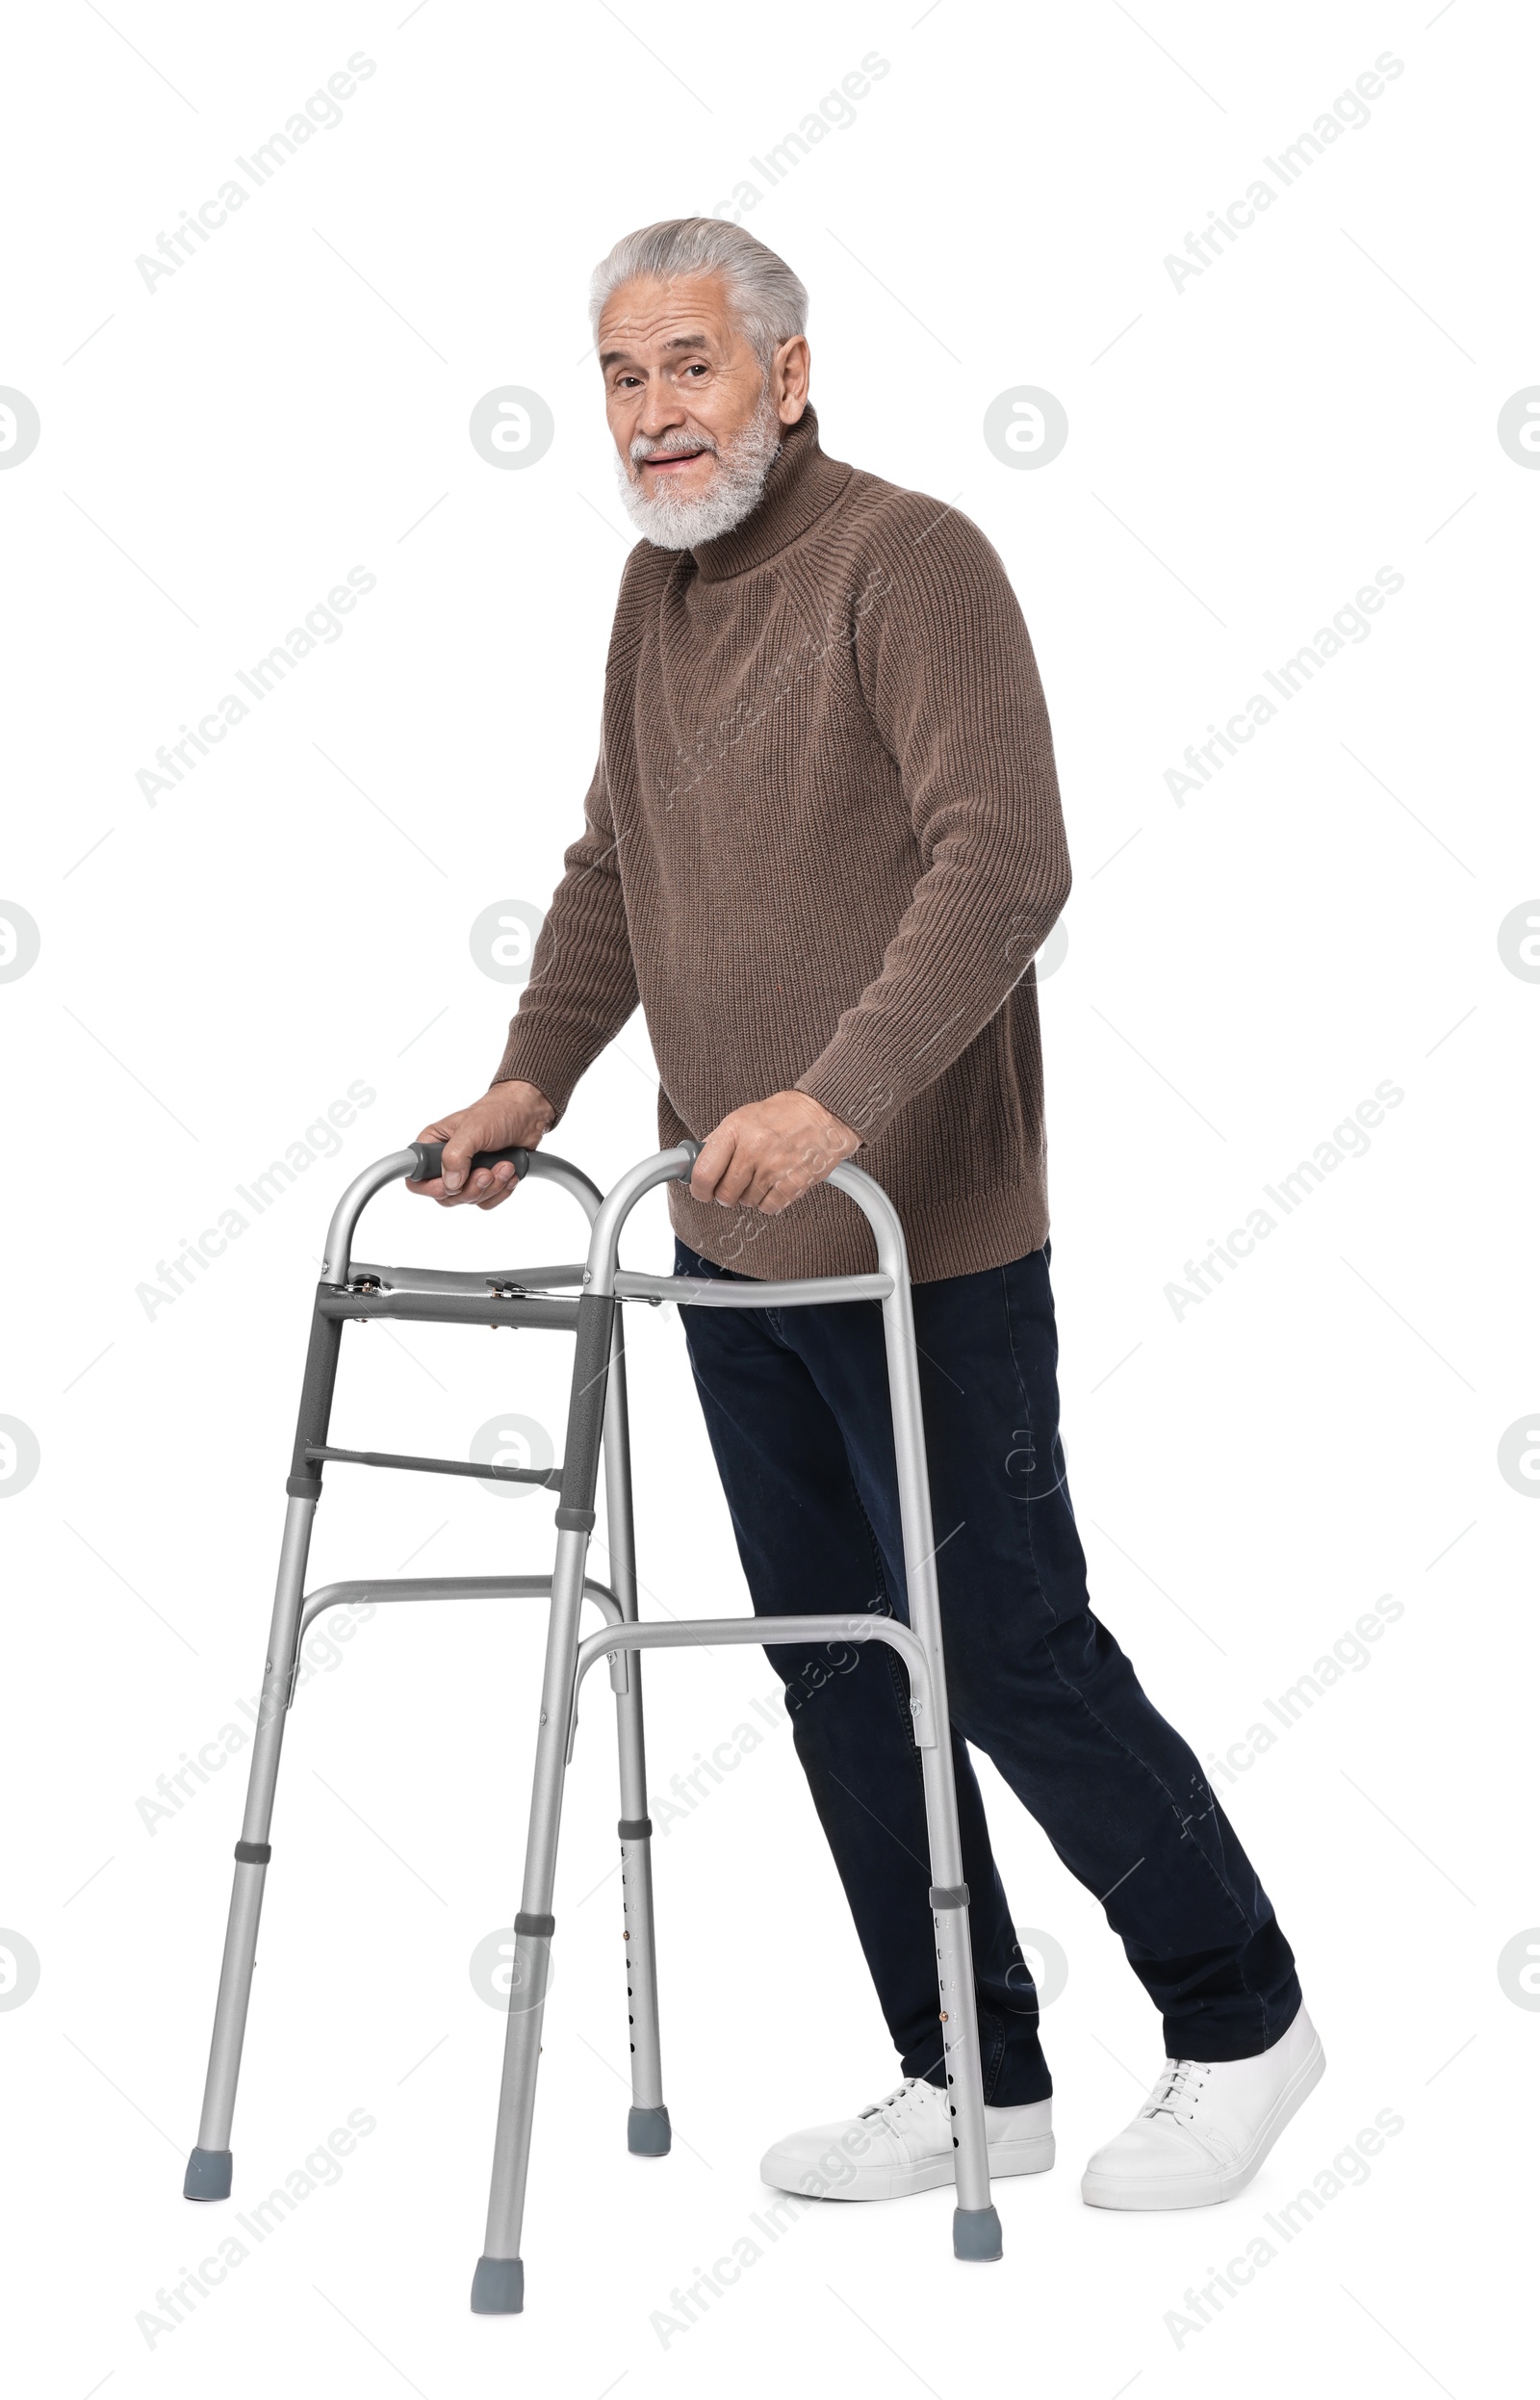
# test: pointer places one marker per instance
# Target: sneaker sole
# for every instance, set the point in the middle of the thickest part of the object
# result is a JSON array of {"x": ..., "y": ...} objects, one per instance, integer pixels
[
  {"x": 1032, "y": 2156},
  {"x": 1106, "y": 2191}
]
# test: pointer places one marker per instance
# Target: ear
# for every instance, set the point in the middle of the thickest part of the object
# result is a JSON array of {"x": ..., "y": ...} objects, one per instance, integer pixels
[{"x": 791, "y": 374}]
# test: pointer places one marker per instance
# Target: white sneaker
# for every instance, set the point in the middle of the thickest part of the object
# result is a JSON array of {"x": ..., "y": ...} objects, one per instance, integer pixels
[
  {"x": 1206, "y": 2126},
  {"x": 903, "y": 2144}
]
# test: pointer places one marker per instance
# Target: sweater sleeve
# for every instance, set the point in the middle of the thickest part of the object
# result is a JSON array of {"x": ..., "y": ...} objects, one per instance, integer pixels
[
  {"x": 946, "y": 669},
  {"x": 582, "y": 982}
]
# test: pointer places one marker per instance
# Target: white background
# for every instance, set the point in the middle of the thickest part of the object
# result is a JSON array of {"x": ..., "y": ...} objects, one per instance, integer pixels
[{"x": 1243, "y": 454}]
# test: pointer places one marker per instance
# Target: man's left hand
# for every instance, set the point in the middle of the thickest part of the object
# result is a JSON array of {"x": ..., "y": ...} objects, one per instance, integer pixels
[{"x": 765, "y": 1156}]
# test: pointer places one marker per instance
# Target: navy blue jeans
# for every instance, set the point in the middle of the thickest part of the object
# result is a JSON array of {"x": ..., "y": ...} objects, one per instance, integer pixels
[{"x": 797, "y": 1410}]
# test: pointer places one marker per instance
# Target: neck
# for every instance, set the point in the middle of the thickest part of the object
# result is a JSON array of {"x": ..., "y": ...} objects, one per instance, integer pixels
[{"x": 801, "y": 484}]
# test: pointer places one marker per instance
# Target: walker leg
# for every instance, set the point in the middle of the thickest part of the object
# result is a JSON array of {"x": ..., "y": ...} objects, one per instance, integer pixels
[
  {"x": 647, "y": 2134},
  {"x": 209, "y": 2167},
  {"x": 497, "y": 2286},
  {"x": 975, "y": 2223}
]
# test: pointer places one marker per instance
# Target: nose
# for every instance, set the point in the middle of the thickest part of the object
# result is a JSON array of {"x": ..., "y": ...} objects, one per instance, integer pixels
[{"x": 660, "y": 412}]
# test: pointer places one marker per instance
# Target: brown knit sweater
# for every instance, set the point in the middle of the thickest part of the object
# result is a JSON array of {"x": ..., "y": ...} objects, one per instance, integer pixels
[{"x": 823, "y": 842}]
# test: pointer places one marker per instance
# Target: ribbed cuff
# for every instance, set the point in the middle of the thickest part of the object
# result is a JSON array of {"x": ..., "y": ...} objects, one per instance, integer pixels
[
  {"x": 853, "y": 1090},
  {"x": 528, "y": 1059}
]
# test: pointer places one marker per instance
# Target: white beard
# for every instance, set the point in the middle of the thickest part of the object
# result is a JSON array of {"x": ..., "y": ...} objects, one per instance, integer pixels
[{"x": 673, "y": 522}]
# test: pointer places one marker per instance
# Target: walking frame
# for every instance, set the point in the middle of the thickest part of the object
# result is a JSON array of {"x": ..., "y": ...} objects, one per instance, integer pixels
[{"x": 596, "y": 1428}]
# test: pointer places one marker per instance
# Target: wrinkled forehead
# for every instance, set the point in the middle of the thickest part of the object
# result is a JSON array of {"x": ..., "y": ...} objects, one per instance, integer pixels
[{"x": 653, "y": 314}]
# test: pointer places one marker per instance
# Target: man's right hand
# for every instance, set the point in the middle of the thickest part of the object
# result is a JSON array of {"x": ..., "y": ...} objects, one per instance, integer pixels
[{"x": 512, "y": 1115}]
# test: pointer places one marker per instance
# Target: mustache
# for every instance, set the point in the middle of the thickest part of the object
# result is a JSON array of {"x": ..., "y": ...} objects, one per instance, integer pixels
[{"x": 668, "y": 444}]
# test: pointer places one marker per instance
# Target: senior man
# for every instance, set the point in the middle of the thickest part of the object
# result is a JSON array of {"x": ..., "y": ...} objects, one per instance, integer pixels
[{"x": 823, "y": 842}]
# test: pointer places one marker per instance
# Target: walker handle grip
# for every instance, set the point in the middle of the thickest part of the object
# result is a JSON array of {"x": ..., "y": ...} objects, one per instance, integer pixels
[{"x": 430, "y": 1161}]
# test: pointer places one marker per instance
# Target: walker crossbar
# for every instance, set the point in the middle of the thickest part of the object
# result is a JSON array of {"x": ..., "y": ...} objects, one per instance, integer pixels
[
  {"x": 550, "y": 1477},
  {"x": 699, "y": 1291},
  {"x": 436, "y": 1279},
  {"x": 704, "y": 1633},
  {"x": 449, "y": 1588},
  {"x": 471, "y": 1306}
]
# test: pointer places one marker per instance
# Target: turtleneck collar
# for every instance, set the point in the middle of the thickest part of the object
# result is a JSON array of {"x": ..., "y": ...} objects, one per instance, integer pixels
[{"x": 801, "y": 484}]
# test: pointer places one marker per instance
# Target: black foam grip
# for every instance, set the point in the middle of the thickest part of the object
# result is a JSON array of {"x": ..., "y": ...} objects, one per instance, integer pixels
[
  {"x": 430, "y": 1161},
  {"x": 316, "y": 1394},
  {"x": 586, "y": 1413}
]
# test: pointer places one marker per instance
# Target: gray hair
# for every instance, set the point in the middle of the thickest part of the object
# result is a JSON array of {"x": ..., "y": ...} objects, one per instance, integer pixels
[{"x": 769, "y": 300}]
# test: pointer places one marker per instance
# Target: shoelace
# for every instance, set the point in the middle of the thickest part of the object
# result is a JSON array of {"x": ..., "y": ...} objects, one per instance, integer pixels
[
  {"x": 1178, "y": 2091},
  {"x": 895, "y": 2100}
]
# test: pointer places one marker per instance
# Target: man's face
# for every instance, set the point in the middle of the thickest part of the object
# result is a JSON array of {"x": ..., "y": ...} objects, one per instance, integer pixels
[{"x": 685, "y": 391}]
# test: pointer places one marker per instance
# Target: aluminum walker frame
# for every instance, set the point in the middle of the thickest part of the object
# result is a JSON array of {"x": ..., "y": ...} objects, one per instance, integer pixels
[{"x": 596, "y": 1429}]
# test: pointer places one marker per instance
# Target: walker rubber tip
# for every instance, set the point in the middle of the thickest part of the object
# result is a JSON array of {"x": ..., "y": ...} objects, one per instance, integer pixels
[
  {"x": 498, "y": 2288},
  {"x": 208, "y": 2175},
  {"x": 976, "y": 2233},
  {"x": 649, "y": 2134}
]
